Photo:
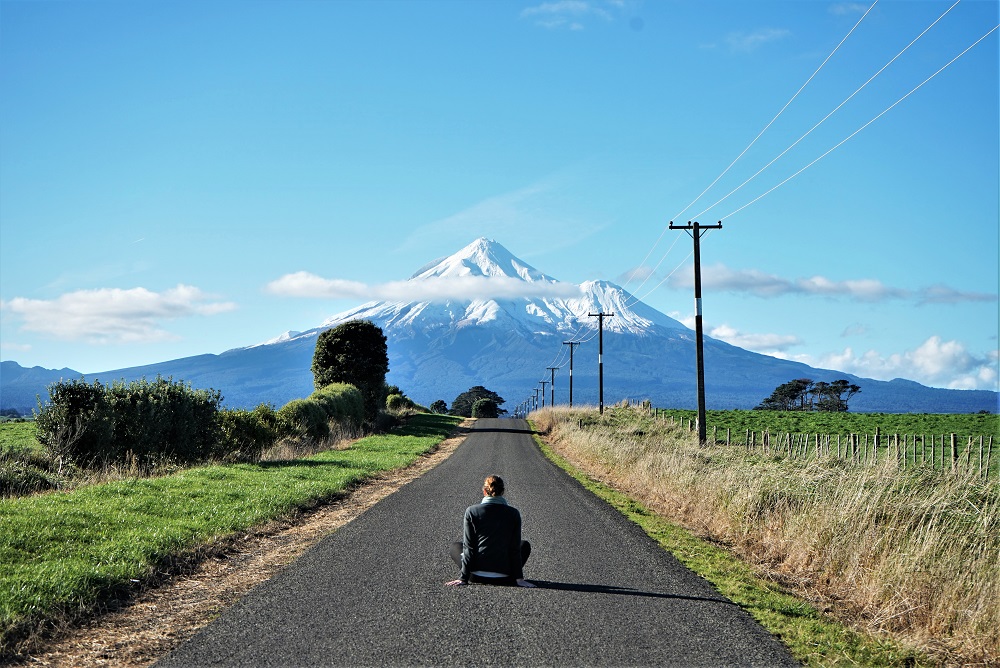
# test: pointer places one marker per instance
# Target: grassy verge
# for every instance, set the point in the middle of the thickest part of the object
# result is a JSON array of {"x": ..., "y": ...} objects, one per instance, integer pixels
[
  {"x": 18, "y": 437},
  {"x": 812, "y": 637},
  {"x": 63, "y": 554}
]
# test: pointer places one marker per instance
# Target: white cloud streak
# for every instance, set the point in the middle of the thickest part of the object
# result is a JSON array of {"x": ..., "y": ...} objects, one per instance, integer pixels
[
  {"x": 762, "y": 343},
  {"x": 568, "y": 14},
  {"x": 751, "y": 41},
  {"x": 112, "y": 315},
  {"x": 760, "y": 284},
  {"x": 462, "y": 288}
]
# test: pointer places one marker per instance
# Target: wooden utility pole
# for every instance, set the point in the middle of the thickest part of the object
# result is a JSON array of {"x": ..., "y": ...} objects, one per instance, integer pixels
[
  {"x": 695, "y": 231},
  {"x": 543, "y": 384},
  {"x": 552, "y": 386},
  {"x": 600, "y": 353},
  {"x": 572, "y": 345}
]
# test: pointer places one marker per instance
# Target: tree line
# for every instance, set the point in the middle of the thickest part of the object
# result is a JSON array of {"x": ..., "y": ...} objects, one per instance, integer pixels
[{"x": 804, "y": 394}]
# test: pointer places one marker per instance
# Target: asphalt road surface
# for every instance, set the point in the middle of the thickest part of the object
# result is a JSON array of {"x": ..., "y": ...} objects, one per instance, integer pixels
[{"x": 372, "y": 593}]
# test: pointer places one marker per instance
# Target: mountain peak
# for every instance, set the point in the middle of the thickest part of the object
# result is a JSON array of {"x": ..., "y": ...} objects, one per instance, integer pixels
[{"x": 483, "y": 257}]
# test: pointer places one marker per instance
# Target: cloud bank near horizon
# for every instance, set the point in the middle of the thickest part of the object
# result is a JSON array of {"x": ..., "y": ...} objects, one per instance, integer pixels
[
  {"x": 935, "y": 362},
  {"x": 721, "y": 278}
]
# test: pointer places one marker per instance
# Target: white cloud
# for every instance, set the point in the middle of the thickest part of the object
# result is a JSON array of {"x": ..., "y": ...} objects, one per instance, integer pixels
[
  {"x": 112, "y": 315},
  {"x": 568, "y": 14},
  {"x": 719, "y": 277},
  {"x": 304, "y": 284},
  {"x": 844, "y": 8},
  {"x": 751, "y": 41},
  {"x": 942, "y": 294},
  {"x": 935, "y": 362},
  {"x": 762, "y": 343}
]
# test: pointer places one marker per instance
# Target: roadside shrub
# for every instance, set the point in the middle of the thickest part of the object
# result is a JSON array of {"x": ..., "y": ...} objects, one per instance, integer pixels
[
  {"x": 244, "y": 435},
  {"x": 342, "y": 402},
  {"x": 163, "y": 419},
  {"x": 306, "y": 418},
  {"x": 76, "y": 423},
  {"x": 485, "y": 408},
  {"x": 146, "y": 421},
  {"x": 395, "y": 402}
]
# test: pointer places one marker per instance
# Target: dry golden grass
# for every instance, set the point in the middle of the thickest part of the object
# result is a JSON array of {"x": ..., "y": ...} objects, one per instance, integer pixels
[{"x": 911, "y": 554}]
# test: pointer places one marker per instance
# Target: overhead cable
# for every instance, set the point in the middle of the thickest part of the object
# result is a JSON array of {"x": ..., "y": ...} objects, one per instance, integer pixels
[
  {"x": 843, "y": 141},
  {"x": 824, "y": 119}
]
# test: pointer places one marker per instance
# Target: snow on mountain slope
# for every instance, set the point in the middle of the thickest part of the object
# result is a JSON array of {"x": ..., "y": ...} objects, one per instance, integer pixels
[{"x": 519, "y": 305}]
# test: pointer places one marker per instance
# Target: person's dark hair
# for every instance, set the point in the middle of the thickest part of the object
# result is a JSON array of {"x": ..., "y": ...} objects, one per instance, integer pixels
[{"x": 493, "y": 486}]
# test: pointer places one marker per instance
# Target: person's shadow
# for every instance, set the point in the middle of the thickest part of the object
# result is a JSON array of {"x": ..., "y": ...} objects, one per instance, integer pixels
[{"x": 619, "y": 591}]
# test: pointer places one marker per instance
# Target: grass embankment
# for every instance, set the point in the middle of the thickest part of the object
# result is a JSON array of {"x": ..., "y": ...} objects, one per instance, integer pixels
[
  {"x": 63, "y": 554},
  {"x": 903, "y": 559}
]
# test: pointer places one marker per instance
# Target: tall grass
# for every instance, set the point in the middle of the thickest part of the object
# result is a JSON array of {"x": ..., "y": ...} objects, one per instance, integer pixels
[{"x": 913, "y": 554}]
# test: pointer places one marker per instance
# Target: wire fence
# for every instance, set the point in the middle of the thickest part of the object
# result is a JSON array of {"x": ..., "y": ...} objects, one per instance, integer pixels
[{"x": 943, "y": 452}]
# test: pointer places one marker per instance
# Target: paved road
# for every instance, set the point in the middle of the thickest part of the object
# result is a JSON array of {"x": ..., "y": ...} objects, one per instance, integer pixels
[{"x": 372, "y": 593}]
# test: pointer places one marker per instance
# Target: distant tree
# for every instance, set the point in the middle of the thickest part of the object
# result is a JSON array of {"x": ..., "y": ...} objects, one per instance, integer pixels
[
  {"x": 484, "y": 408},
  {"x": 355, "y": 353},
  {"x": 803, "y": 394},
  {"x": 830, "y": 397},
  {"x": 790, "y": 396},
  {"x": 439, "y": 406},
  {"x": 463, "y": 403}
]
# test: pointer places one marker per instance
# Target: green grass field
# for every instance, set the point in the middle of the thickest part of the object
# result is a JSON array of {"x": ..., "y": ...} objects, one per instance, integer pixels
[
  {"x": 64, "y": 552},
  {"x": 796, "y": 422},
  {"x": 16, "y": 437}
]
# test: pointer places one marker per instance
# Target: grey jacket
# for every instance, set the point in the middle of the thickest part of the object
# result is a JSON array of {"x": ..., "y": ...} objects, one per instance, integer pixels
[{"x": 491, "y": 539}]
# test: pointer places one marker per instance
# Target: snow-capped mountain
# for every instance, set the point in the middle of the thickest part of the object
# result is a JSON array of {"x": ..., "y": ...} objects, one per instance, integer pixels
[
  {"x": 528, "y": 301},
  {"x": 484, "y": 317}
]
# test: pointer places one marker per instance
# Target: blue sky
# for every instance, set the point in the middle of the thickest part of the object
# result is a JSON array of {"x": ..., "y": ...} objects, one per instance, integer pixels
[{"x": 168, "y": 168}]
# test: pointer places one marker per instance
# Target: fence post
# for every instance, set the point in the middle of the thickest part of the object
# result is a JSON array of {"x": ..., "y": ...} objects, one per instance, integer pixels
[
  {"x": 989, "y": 455},
  {"x": 954, "y": 452}
]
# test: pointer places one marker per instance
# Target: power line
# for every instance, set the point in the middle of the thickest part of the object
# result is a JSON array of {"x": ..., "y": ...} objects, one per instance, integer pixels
[
  {"x": 760, "y": 134},
  {"x": 825, "y": 118},
  {"x": 850, "y": 136}
]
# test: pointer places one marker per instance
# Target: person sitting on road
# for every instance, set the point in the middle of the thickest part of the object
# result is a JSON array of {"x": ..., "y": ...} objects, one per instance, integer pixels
[{"x": 491, "y": 550}]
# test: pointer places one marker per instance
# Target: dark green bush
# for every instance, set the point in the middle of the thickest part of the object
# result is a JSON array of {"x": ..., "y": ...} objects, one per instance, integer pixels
[
  {"x": 150, "y": 420},
  {"x": 306, "y": 418},
  {"x": 485, "y": 408},
  {"x": 77, "y": 422},
  {"x": 163, "y": 419},
  {"x": 244, "y": 434},
  {"x": 354, "y": 352},
  {"x": 342, "y": 402}
]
